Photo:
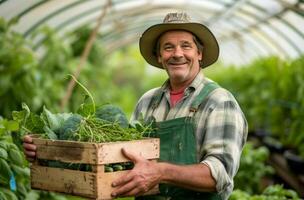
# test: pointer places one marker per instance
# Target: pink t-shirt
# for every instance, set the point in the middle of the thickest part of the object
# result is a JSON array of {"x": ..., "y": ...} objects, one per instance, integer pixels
[{"x": 175, "y": 96}]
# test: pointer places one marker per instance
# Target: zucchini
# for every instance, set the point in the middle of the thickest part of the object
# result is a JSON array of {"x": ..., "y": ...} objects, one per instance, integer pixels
[{"x": 118, "y": 167}]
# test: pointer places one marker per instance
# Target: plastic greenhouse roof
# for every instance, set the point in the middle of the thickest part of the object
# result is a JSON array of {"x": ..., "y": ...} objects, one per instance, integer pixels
[{"x": 245, "y": 29}]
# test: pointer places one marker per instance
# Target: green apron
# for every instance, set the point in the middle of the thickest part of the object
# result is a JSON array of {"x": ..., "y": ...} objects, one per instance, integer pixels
[{"x": 178, "y": 146}]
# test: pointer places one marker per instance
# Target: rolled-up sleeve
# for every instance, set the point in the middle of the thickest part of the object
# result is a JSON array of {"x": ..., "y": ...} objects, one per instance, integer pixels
[{"x": 224, "y": 137}]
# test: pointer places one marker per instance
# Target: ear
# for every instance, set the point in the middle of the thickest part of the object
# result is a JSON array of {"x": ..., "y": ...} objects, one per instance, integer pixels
[
  {"x": 200, "y": 55},
  {"x": 159, "y": 59}
]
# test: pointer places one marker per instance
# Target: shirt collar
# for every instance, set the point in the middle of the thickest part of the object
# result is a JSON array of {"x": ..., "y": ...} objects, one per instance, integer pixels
[{"x": 198, "y": 80}]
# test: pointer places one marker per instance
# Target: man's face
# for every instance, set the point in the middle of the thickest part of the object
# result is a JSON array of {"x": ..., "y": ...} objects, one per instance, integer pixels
[{"x": 179, "y": 56}]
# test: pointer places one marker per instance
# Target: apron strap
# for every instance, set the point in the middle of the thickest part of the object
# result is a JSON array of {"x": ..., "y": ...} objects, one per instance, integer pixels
[{"x": 208, "y": 88}]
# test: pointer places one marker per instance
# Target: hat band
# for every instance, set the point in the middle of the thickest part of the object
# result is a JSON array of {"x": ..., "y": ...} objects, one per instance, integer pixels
[{"x": 176, "y": 21}]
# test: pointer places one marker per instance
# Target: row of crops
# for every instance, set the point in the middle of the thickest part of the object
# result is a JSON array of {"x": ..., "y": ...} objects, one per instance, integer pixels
[{"x": 269, "y": 91}]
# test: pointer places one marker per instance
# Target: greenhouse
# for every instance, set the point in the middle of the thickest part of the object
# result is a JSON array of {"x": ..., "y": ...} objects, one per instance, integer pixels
[{"x": 74, "y": 77}]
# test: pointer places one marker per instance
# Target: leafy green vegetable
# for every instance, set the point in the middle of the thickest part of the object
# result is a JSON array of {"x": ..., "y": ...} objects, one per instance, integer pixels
[
  {"x": 112, "y": 113},
  {"x": 28, "y": 121},
  {"x": 54, "y": 121},
  {"x": 70, "y": 127},
  {"x": 111, "y": 126}
]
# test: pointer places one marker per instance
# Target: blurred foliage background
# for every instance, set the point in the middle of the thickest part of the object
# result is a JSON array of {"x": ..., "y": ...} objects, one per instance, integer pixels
[{"x": 269, "y": 90}]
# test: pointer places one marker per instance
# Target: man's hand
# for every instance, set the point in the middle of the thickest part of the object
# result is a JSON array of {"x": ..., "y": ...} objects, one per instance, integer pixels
[
  {"x": 29, "y": 148},
  {"x": 143, "y": 177}
]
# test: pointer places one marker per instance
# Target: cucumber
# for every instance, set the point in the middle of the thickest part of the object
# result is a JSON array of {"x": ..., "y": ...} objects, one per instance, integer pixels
[
  {"x": 117, "y": 167},
  {"x": 108, "y": 169}
]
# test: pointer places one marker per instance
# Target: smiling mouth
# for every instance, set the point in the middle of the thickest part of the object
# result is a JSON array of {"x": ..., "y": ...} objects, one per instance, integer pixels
[{"x": 177, "y": 63}]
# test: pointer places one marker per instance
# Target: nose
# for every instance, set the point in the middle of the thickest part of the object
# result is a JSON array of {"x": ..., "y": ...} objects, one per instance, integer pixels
[{"x": 178, "y": 52}]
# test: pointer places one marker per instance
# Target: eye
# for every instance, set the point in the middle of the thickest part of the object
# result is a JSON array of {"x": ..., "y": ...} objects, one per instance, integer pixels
[
  {"x": 168, "y": 47},
  {"x": 186, "y": 46}
]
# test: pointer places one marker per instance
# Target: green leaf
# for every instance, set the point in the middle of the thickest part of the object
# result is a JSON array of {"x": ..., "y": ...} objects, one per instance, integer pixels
[
  {"x": 50, "y": 133},
  {"x": 86, "y": 109},
  {"x": 12, "y": 125},
  {"x": 3, "y": 153},
  {"x": 54, "y": 121},
  {"x": 16, "y": 157},
  {"x": 9, "y": 194},
  {"x": 34, "y": 124},
  {"x": 30, "y": 122},
  {"x": 19, "y": 116}
]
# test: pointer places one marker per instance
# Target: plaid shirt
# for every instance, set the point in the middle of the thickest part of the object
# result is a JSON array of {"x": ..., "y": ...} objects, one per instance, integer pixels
[{"x": 221, "y": 128}]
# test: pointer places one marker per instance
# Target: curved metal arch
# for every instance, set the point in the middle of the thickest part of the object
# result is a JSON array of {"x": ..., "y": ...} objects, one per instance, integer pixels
[
  {"x": 44, "y": 19},
  {"x": 278, "y": 15},
  {"x": 112, "y": 33},
  {"x": 258, "y": 41},
  {"x": 64, "y": 8},
  {"x": 2, "y": 1},
  {"x": 277, "y": 31},
  {"x": 230, "y": 8},
  {"x": 72, "y": 19},
  {"x": 31, "y": 8},
  {"x": 250, "y": 29},
  {"x": 255, "y": 26},
  {"x": 87, "y": 21},
  {"x": 125, "y": 13}
]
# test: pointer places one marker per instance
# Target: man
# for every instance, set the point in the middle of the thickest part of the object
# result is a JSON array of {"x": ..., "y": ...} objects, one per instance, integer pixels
[{"x": 201, "y": 127}]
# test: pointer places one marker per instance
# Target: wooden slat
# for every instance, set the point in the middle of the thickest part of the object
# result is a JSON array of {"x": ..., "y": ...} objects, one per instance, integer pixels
[
  {"x": 84, "y": 184},
  {"x": 111, "y": 152},
  {"x": 94, "y": 153},
  {"x": 63, "y": 180},
  {"x": 63, "y": 143},
  {"x": 67, "y": 154},
  {"x": 105, "y": 180}
]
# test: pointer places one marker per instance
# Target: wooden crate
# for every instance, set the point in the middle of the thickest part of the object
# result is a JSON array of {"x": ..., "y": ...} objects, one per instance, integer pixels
[{"x": 95, "y": 184}]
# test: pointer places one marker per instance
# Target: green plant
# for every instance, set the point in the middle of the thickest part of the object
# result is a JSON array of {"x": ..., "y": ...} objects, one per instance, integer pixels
[
  {"x": 252, "y": 169},
  {"x": 272, "y": 192}
]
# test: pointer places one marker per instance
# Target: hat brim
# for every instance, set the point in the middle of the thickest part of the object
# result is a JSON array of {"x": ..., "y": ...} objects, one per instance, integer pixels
[{"x": 150, "y": 36}]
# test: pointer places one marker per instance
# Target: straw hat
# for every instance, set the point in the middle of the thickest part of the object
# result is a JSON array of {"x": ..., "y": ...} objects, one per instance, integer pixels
[{"x": 178, "y": 21}]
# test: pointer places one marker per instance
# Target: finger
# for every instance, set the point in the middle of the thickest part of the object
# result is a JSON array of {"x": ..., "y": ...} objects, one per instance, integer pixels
[
  {"x": 30, "y": 153},
  {"x": 122, "y": 180},
  {"x": 29, "y": 150},
  {"x": 27, "y": 139},
  {"x": 29, "y": 147},
  {"x": 124, "y": 190},
  {"x": 134, "y": 192},
  {"x": 132, "y": 156}
]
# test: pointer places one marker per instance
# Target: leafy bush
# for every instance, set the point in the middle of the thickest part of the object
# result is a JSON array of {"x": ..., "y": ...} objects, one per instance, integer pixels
[
  {"x": 252, "y": 169},
  {"x": 273, "y": 192}
]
